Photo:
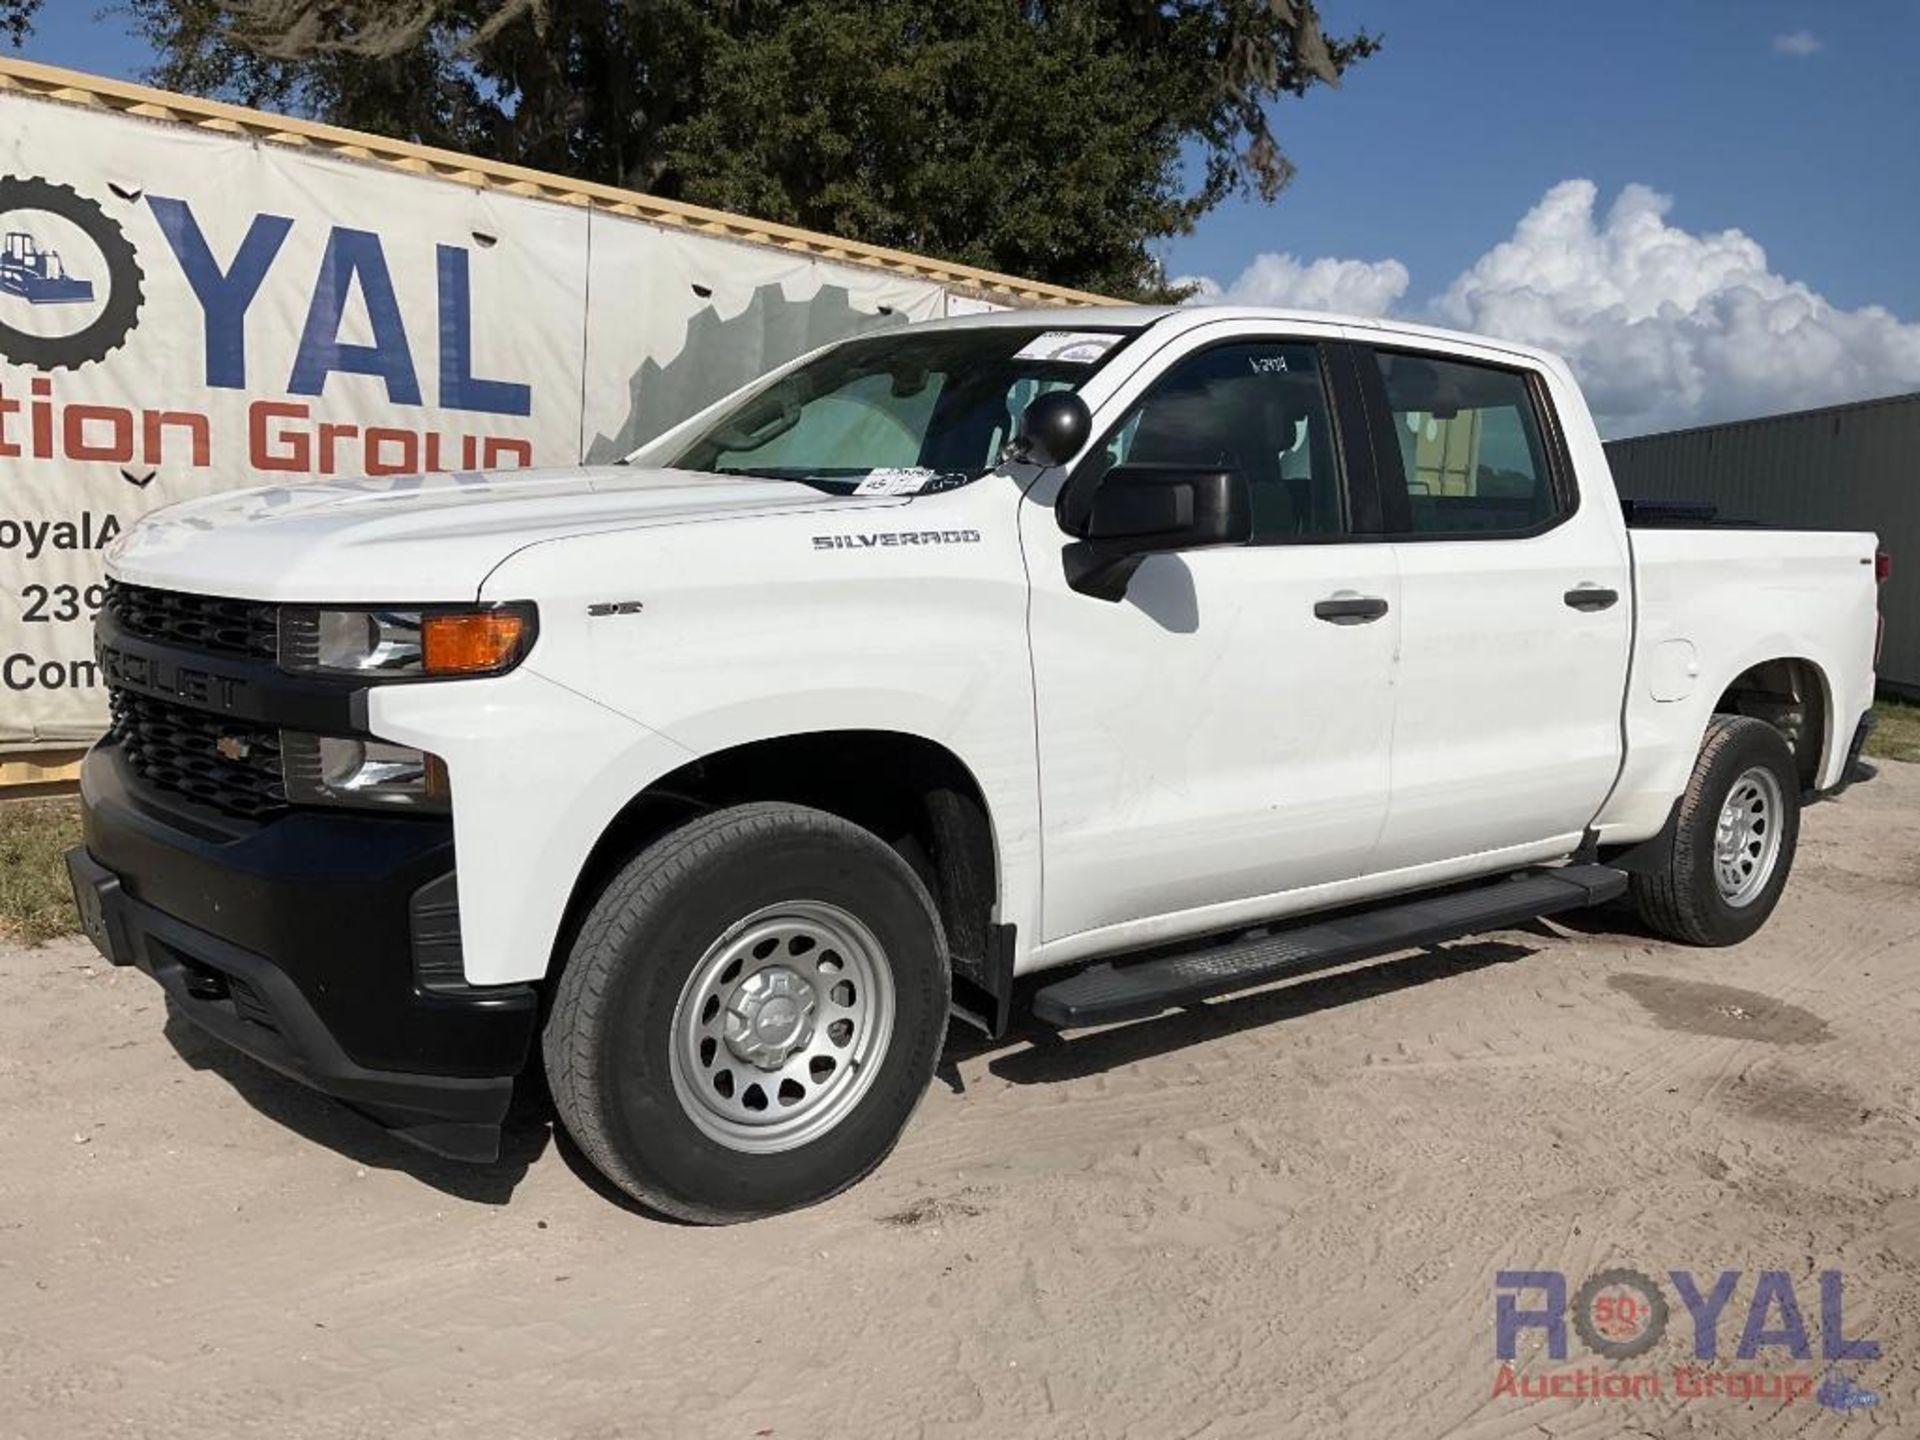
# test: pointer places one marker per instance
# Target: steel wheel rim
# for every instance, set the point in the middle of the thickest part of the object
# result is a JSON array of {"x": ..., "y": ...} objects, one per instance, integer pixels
[
  {"x": 1746, "y": 838},
  {"x": 781, "y": 1027}
]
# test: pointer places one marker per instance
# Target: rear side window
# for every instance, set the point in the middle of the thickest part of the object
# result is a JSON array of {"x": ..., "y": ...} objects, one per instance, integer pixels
[{"x": 1472, "y": 457}]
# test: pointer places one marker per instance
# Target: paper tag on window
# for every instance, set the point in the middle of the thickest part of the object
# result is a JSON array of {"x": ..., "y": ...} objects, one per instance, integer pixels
[
  {"x": 895, "y": 480},
  {"x": 1074, "y": 347}
]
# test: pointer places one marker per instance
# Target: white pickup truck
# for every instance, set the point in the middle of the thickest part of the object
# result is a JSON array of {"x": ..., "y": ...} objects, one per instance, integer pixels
[{"x": 1168, "y": 651}]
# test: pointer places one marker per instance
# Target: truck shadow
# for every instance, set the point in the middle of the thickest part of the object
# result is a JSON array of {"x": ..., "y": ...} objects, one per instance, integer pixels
[
  {"x": 1030, "y": 1054},
  {"x": 1046, "y": 1057},
  {"x": 1616, "y": 918},
  {"x": 314, "y": 1117}
]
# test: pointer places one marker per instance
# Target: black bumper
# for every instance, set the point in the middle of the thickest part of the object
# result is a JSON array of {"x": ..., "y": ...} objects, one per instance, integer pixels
[
  {"x": 1856, "y": 769},
  {"x": 316, "y": 942}
]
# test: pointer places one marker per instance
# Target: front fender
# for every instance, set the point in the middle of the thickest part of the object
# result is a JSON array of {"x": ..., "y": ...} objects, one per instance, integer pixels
[{"x": 538, "y": 772}]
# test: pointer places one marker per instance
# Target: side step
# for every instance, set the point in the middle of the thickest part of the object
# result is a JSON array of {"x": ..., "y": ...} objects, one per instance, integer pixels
[{"x": 1110, "y": 992}]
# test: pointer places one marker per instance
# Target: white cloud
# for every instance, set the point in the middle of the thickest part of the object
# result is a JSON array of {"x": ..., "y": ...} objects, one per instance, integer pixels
[
  {"x": 1799, "y": 44},
  {"x": 1668, "y": 328},
  {"x": 1665, "y": 327},
  {"x": 1346, "y": 287}
]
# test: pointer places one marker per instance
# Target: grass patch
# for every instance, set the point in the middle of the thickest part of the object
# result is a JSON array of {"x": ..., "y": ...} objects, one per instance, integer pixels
[
  {"x": 36, "y": 902},
  {"x": 1898, "y": 736}
]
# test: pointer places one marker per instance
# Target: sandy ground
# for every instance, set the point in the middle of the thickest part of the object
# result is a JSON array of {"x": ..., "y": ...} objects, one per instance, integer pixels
[{"x": 1282, "y": 1214}]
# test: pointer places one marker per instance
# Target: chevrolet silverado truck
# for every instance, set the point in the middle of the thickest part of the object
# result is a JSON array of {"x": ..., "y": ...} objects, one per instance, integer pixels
[{"x": 1167, "y": 652}]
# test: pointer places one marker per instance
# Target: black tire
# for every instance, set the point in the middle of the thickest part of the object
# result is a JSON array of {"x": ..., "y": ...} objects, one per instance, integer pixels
[
  {"x": 1683, "y": 900},
  {"x": 609, "y": 1035}
]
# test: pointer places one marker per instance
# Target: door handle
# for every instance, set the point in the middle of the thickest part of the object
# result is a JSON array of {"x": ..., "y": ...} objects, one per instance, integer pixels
[
  {"x": 1350, "y": 609},
  {"x": 1591, "y": 597}
]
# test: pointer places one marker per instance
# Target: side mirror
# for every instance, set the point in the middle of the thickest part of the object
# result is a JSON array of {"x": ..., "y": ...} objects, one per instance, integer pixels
[
  {"x": 1053, "y": 428},
  {"x": 1142, "y": 510}
]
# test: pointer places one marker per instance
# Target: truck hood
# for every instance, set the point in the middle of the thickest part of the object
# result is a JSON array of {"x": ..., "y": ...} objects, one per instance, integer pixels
[{"x": 420, "y": 537}]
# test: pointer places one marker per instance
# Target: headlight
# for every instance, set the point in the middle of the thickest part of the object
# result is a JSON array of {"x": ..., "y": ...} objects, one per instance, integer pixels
[
  {"x": 403, "y": 643},
  {"x": 331, "y": 770}
]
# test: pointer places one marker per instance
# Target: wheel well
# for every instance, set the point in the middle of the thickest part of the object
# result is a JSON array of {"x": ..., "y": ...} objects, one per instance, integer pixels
[
  {"x": 914, "y": 794},
  {"x": 1791, "y": 696}
]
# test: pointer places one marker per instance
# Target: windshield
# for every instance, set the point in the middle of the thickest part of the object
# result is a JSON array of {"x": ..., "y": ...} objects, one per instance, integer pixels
[{"x": 903, "y": 413}]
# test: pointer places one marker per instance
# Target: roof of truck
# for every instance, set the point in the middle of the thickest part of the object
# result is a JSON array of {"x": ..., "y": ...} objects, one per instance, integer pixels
[{"x": 1186, "y": 317}]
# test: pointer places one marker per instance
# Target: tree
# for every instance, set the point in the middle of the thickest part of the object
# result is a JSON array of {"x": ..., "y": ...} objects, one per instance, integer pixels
[
  {"x": 1058, "y": 139},
  {"x": 16, "y": 19}
]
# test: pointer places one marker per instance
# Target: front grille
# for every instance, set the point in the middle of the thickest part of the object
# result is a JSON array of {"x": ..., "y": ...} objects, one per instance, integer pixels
[
  {"x": 209, "y": 623},
  {"x": 176, "y": 748}
]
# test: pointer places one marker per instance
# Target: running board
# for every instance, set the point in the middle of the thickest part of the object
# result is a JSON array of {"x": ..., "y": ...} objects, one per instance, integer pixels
[{"x": 1109, "y": 992}]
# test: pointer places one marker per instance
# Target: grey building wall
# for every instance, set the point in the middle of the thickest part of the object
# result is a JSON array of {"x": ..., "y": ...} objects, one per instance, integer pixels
[{"x": 1846, "y": 467}]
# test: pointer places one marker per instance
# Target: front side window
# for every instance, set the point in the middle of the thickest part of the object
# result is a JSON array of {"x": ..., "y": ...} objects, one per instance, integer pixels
[
  {"x": 1259, "y": 408},
  {"x": 897, "y": 411},
  {"x": 1471, "y": 456}
]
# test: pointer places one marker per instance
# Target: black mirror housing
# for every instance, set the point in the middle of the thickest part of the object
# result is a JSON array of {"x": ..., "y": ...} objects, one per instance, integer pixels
[
  {"x": 1053, "y": 428},
  {"x": 1141, "y": 510}
]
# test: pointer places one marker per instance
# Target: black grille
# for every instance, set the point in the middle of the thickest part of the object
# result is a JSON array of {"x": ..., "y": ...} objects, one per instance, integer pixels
[
  {"x": 208, "y": 623},
  {"x": 176, "y": 748}
]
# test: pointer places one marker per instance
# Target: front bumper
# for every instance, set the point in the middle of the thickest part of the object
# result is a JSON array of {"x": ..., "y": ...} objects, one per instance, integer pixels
[{"x": 318, "y": 943}]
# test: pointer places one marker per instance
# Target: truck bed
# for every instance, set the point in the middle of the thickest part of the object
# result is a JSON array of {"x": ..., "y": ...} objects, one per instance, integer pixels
[{"x": 1736, "y": 596}]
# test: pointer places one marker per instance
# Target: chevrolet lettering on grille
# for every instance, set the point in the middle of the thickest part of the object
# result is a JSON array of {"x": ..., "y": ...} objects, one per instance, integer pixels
[{"x": 154, "y": 675}]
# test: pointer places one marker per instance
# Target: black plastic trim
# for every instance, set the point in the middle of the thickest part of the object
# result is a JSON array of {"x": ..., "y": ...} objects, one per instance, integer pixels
[
  {"x": 1649, "y": 856},
  {"x": 325, "y": 899},
  {"x": 983, "y": 994},
  {"x": 1356, "y": 611},
  {"x": 248, "y": 1002},
  {"x": 219, "y": 684},
  {"x": 1591, "y": 598},
  {"x": 1111, "y": 992},
  {"x": 1366, "y": 521},
  {"x": 1856, "y": 769}
]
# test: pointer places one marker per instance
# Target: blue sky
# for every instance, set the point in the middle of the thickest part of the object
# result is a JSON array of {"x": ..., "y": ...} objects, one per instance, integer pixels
[
  {"x": 1432, "y": 149},
  {"x": 1434, "y": 185}
]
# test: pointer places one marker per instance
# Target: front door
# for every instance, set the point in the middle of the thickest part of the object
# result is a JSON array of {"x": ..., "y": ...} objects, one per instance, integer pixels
[{"x": 1223, "y": 733}]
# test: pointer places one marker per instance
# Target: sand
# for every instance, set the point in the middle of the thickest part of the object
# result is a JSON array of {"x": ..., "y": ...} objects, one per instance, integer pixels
[{"x": 1281, "y": 1214}]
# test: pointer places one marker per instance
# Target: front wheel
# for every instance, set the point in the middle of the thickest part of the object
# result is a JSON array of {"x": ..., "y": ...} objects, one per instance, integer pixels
[
  {"x": 753, "y": 1008},
  {"x": 1733, "y": 845}
]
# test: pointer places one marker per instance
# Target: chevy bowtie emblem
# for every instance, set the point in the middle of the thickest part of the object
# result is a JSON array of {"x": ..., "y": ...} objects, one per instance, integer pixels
[{"x": 233, "y": 747}]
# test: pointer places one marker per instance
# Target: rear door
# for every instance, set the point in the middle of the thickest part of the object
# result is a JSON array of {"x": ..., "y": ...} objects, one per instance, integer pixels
[
  {"x": 1221, "y": 734},
  {"x": 1516, "y": 611}
]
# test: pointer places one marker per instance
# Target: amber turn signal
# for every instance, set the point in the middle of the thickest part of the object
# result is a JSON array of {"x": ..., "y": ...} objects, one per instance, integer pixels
[{"x": 473, "y": 642}]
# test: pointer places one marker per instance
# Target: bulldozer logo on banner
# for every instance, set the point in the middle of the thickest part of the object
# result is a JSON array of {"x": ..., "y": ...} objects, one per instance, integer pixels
[
  {"x": 70, "y": 282},
  {"x": 38, "y": 276}
]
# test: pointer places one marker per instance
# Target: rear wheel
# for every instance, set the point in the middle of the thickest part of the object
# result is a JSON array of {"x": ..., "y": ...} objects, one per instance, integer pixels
[
  {"x": 753, "y": 1008},
  {"x": 1733, "y": 846}
]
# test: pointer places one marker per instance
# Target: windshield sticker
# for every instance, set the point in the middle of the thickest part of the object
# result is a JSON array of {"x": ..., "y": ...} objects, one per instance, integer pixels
[
  {"x": 1074, "y": 347},
  {"x": 895, "y": 480},
  {"x": 951, "y": 480},
  {"x": 909, "y": 480}
]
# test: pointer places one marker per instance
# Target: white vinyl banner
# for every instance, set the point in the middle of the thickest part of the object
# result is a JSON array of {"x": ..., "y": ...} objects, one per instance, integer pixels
[{"x": 184, "y": 311}]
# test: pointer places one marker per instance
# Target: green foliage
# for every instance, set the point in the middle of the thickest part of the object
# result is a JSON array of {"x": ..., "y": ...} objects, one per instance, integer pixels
[
  {"x": 1058, "y": 139},
  {"x": 35, "y": 901},
  {"x": 16, "y": 19}
]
